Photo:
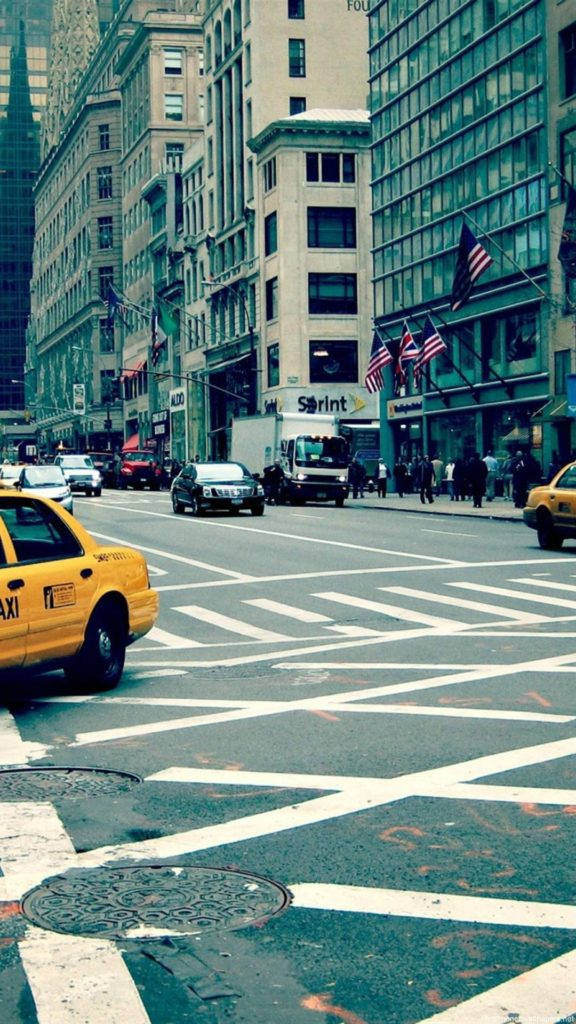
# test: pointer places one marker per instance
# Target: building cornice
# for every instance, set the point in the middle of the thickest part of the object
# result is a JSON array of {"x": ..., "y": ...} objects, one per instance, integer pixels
[{"x": 291, "y": 128}]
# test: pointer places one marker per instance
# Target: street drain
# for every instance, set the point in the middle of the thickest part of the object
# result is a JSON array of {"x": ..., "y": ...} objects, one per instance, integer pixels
[
  {"x": 152, "y": 901},
  {"x": 53, "y": 783}
]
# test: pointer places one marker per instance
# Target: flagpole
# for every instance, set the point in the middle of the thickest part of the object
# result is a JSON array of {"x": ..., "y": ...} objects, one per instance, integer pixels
[
  {"x": 560, "y": 175},
  {"x": 506, "y": 255},
  {"x": 470, "y": 348},
  {"x": 468, "y": 383}
]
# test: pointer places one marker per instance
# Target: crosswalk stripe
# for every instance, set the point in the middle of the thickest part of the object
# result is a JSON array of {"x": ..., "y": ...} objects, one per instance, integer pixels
[
  {"x": 354, "y": 631},
  {"x": 478, "y": 606},
  {"x": 519, "y": 595},
  {"x": 392, "y": 610},
  {"x": 286, "y": 609},
  {"x": 196, "y": 611},
  {"x": 161, "y": 636},
  {"x": 530, "y": 581}
]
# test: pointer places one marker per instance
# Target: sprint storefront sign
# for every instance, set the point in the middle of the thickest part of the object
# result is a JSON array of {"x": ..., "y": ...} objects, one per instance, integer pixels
[
  {"x": 345, "y": 402},
  {"x": 178, "y": 406}
]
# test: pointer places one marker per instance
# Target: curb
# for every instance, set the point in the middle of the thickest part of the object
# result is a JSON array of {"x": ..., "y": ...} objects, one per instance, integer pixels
[{"x": 492, "y": 517}]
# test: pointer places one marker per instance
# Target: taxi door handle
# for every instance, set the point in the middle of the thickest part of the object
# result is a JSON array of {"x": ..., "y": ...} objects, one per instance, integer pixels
[
  {"x": 86, "y": 573},
  {"x": 15, "y": 584}
]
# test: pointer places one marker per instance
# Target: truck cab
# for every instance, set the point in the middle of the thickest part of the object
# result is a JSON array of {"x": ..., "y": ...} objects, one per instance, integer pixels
[{"x": 315, "y": 468}]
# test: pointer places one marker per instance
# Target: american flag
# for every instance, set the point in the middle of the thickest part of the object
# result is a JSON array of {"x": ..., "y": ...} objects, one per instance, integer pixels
[
  {"x": 116, "y": 308},
  {"x": 158, "y": 338},
  {"x": 407, "y": 350},
  {"x": 431, "y": 346},
  {"x": 379, "y": 358},
  {"x": 472, "y": 261}
]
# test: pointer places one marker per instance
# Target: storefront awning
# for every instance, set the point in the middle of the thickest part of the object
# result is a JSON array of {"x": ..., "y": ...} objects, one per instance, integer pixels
[
  {"x": 553, "y": 409},
  {"x": 519, "y": 434},
  {"x": 132, "y": 444}
]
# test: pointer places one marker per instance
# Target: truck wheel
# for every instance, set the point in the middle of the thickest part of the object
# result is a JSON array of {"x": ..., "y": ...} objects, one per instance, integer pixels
[
  {"x": 339, "y": 502},
  {"x": 100, "y": 661},
  {"x": 97, "y": 492},
  {"x": 257, "y": 510}
]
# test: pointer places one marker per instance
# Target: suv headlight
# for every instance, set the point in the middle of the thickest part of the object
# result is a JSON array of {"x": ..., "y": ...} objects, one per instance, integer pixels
[
  {"x": 206, "y": 491},
  {"x": 301, "y": 476},
  {"x": 342, "y": 479},
  {"x": 259, "y": 489},
  {"x": 96, "y": 478}
]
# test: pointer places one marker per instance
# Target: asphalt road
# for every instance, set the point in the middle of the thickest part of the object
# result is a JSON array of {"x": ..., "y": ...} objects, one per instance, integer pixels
[{"x": 375, "y": 709}]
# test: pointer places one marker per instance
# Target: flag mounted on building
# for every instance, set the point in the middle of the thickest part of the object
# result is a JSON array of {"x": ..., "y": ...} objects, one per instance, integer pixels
[
  {"x": 407, "y": 351},
  {"x": 379, "y": 358},
  {"x": 116, "y": 307},
  {"x": 472, "y": 261},
  {"x": 567, "y": 250},
  {"x": 159, "y": 340},
  {"x": 167, "y": 317},
  {"x": 431, "y": 345}
]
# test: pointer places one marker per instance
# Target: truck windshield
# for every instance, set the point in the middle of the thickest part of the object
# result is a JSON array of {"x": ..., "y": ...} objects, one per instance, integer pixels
[{"x": 328, "y": 452}]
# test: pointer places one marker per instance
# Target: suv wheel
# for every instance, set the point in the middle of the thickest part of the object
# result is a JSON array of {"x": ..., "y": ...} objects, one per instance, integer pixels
[{"x": 177, "y": 506}]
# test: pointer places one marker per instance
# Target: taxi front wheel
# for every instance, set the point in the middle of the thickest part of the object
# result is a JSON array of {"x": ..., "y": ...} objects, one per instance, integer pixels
[{"x": 100, "y": 661}]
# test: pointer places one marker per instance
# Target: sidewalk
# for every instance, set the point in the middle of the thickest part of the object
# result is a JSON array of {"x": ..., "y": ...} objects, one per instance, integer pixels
[{"x": 498, "y": 508}]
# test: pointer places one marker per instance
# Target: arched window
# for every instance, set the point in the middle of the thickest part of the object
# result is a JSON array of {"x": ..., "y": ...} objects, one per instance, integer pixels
[
  {"x": 208, "y": 52},
  {"x": 227, "y": 33},
  {"x": 217, "y": 44},
  {"x": 237, "y": 22}
]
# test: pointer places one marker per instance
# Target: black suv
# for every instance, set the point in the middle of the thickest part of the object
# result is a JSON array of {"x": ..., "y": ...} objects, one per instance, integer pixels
[{"x": 223, "y": 486}]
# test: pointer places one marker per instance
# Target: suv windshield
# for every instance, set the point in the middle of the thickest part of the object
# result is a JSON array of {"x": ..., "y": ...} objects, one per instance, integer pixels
[
  {"x": 321, "y": 451},
  {"x": 76, "y": 462},
  {"x": 139, "y": 457},
  {"x": 43, "y": 476},
  {"x": 220, "y": 471}
]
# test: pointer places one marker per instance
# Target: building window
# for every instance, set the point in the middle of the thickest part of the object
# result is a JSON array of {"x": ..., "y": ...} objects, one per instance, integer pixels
[
  {"x": 270, "y": 234},
  {"x": 105, "y": 279},
  {"x": 296, "y": 9},
  {"x": 568, "y": 156},
  {"x": 296, "y": 58},
  {"x": 105, "y": 233},
  {"x": 273, "y": 365},
  {"x": 269, "y": 174},
  {"x": 522, "y": 336},
  {"x": 333, "y": 362},
  {"x": 568, "y": 54},
  {"x": 104, "y": 136},
  {"x": 172, "y": 62},
  {"x": 104, "y": 177},
  {"x": 297, "y": 105},
  {"x": 174, "y": 106},
  {"x": 561, "y": 370},
  {"x": 331, "y": 167},
  {"x": 106, "y": 335},
  {"x": 332, "y": 294},
  {"x": 331, "y": 227},
  {"x": 174, "y": 152},
  {"x": 272, "y": 299}
]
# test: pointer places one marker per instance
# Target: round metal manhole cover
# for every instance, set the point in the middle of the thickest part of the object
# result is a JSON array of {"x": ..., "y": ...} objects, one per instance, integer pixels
[
  {"x": 151, "y": 901},
  {"x": 53, "y": 783}
]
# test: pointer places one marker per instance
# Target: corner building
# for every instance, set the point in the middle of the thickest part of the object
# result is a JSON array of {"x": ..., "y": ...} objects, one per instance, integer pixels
[{"x": 458, "y": 114}]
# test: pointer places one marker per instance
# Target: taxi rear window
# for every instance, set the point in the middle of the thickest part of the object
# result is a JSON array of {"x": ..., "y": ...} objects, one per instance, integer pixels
[{"x": 37, "y": 533}]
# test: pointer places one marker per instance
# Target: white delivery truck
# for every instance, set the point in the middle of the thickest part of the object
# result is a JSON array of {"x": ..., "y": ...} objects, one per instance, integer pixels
[{"x": 313, "y": 456}]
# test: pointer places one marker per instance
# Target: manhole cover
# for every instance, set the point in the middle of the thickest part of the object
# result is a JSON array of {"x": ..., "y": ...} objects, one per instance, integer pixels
[
  {"x": 68, "y": 783},
  {"x": 150, "y": 901}
]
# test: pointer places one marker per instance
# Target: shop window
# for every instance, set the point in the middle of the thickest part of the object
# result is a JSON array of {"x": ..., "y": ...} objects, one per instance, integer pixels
[
  {"x": 332, "y": 294},
  {"x": 331, "y": 227},
  {"x": 333, "y": 362},
  {"x": 270, "y": 234},
  {"x": 273, "y": 365}
]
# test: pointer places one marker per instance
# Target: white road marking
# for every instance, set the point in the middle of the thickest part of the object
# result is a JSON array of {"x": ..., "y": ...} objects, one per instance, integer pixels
[
  {"x": 408, "y": 666},
  {"x": 216, "y": 524},
  {"x": 518, "y": 595},
  {"x": 433, "y": 906},
  {"x": 504, "y": 794},
  {"x": 13, "y": 749},
  {"x": 74, "y": 980},
  {"x": 492, "y": 609},
  {"x": 154, "y": 570},
  {"x": 157, "y": 674},
  {"x": 549, "y": 584},
  {"x": 540, "y": 996},
  {"x": 392, "y": 610},
  {"x": 361, "y": 795},
  {"x": 171, "y": 640},
  {"x": 449, "y": 533},
  {"x": 354, "y": 631},
  {"x": 303, "y": 515},
  {"x": 240, "y": 576},
  {"x": 448, "y": 712},
  {"x": 197, "y": 611},
  {"x": 286, "y": 609}
]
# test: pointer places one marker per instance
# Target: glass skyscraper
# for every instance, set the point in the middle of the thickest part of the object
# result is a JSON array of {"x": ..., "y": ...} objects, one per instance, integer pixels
[{"x": 458, "y": 115}]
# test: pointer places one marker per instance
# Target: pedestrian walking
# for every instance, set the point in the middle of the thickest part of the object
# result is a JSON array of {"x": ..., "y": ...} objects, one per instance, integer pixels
[
  {"x": 459, "y": 480},
  {"x": 357, "y": 477},
  {"x": 492, "y": 466},
  {"x": 383, "y": 475},
  {"x": 519, "y": 480},
  {"x": 449, "y": 478},
  {"x": 438, "y": 475},
  {"x": 426, "y": 480},
  {"x": 400, "y": 477},
  {"x": 273, "y": 483},
  {"x": 477, "y": 473}
]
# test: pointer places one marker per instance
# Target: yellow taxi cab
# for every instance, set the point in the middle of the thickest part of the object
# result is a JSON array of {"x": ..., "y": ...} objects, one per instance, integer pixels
[
  {"x": 551, "y": 509},
  {"x": 65, "y": 601}
]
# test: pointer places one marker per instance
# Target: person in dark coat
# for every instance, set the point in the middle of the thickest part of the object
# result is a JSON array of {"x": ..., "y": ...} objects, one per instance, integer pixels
[
  {"x": 459, "y": 480},
  {"x": 426, "y": 480},
  {"x": 519, "y": 480},
  {"x": 400, "y": 474},
  {"x": 477, "y": 473},
  {"x": 273, "y": 483},
  {"x": 357, "y": 477}
]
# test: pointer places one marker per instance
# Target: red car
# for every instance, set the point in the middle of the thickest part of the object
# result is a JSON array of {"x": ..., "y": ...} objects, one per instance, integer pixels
[{"x": 139, "y": 470}]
